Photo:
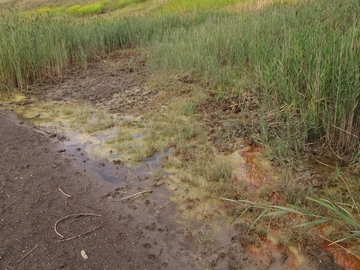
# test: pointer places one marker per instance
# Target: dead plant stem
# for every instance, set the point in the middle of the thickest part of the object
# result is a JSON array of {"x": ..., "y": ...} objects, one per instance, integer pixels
[
  {"x": 134, "y": 195},
  {"x": 72, "y": 215},
  {"x": 77, "y": 236},
  {"x": 67, "y": 195},
  {"x": 27, "y": 254}
]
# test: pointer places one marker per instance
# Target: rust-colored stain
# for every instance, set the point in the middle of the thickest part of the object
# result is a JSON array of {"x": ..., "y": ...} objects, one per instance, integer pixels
[
  {"x": 270, "y": 251},
  {"x": 342, "y": 256},
  {"x": 252, "y": 170}
]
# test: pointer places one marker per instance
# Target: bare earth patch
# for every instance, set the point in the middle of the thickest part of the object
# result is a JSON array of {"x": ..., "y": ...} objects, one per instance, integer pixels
[
  {"x": 116, "y": 83},
  {"x": 128, "y": 235}
]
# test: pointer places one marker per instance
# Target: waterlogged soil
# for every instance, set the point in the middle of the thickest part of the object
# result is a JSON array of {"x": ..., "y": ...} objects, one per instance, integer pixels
[
  {"x": 35, "y": 174},
  {"x": 62, "y": 209},
  {"x": 116, "y": 83}
]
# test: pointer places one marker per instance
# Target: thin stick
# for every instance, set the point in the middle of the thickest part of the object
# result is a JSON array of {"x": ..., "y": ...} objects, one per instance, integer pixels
[
  {"x": 77, "y": 236},
  {"x": 134, "y": 195},
  {"x": 347, "y": 132},
  {"x": 352, "y": 198},
  {"x": 72, "y": 215},
  {"x": 149, "y": 166},
  {"x": 340, "y": 246},
  {"x": 67, "y": 195},
  {"x": 322, "y": 163},
  {"x": 336, "y": 154},
  {"x": 43, "y": 132},
  {"x": 27, "y": 254}
]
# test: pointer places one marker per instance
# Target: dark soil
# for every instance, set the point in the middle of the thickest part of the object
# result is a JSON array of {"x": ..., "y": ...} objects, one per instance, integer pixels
[
  {"x": 116, "y": 83},
  {"x": 31, "y": 173}
]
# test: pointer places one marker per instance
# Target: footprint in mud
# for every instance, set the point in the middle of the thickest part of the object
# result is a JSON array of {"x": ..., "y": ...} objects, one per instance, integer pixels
[{"x": 151, "y": 227}]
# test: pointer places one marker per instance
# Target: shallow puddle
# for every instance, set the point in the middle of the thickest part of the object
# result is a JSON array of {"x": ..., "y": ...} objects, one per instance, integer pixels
[
  {"x": 94, "y": 151},
  {"x": 100, "y": 157}
]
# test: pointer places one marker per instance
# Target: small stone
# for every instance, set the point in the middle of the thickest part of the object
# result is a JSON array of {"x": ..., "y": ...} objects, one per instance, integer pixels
[{"x": 83, "y": 254}]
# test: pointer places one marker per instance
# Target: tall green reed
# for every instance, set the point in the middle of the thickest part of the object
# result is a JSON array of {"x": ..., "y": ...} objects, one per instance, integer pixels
[
  {"x": 39, "y": 46},
  {"x": 301, "y": 61}
]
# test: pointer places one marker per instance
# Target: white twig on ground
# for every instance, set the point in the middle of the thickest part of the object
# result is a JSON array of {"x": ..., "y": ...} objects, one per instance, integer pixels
[
  {"x": 134, "y": 195},
  {"x": 77, "y": 236},
  {"x": 67, "y": 195},
  {"x": 43, "y": 132},
  {"x": 72, "y": 215},
  {"x": 27, "y": 254}
]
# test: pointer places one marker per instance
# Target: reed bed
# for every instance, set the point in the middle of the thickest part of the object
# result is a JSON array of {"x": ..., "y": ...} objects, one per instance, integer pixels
[{"x": 301, "y": 60}]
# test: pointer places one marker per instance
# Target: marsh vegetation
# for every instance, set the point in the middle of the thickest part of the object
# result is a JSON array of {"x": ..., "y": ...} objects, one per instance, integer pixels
[{"x": 281, "y": 75}]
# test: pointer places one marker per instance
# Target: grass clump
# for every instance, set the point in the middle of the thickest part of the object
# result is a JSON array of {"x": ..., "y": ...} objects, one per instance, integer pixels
[
  {"x": 73, "y": 9},
  {"x": 124, "y": 3},
  {"x": 91, "y": 9},
  {"x": 53, "y": 11},
  {"x": 335, "y": 213},
  {"x": 188, "y": 5}
]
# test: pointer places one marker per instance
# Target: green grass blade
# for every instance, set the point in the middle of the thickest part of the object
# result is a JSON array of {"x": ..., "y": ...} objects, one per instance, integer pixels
[
  {"x": 280, "y": 212},
  {"x": 351, "y": 236},
  {"x": 302, "y": 210},
  {"x": 259, "y": 217},
  {"x": 312, "y": 223},
  {"x": 287, "y": 210}
]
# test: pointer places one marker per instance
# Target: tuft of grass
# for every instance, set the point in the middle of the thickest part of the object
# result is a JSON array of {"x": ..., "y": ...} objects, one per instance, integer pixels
[
  {"x": 205, "y": 236},
  {"x": 89, "y": 119},
  {"x": 189, "y": 5},
  {"x": 124, "y": 3},
  {"x": 336, "y": 214},
  {"x": 211, "y": 169},
  {"x": 73, "y": 9},
  {"x": 53, "y": 11},
  {"x": 91, "y": 9}
]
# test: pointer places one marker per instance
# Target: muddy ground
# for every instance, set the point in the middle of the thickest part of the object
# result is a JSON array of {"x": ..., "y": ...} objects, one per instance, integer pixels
[
  {"x": 32, "y": 173},
  {"x": 42, "y": 227}
]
